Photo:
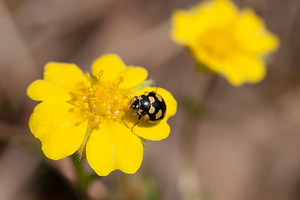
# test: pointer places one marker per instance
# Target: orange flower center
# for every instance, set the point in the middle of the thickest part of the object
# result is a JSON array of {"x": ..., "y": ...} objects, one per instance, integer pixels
[
  {"x": 99, "y": 100},
  {"x": 218, "y": 43}
]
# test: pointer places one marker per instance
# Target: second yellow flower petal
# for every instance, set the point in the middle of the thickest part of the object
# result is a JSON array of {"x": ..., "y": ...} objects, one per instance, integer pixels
[
  {"x": 113, "y": 146},
  {"x": 41, "y": 90},
  {"x": 152, "y": 131},
  {"x": 59, "y": 129},
  {"x": 110, "y": 67},
  {"x": 63, "y": 74},
  {"x": 251, "y": 70}
]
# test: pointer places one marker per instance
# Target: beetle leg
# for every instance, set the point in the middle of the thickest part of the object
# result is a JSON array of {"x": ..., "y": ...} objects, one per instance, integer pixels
[{"x": 136, "y": 123}]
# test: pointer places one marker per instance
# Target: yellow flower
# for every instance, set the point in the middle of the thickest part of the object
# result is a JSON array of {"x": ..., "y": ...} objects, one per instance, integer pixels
[
  {"x": 230, "y": 42},
  {"x": 90, "y": 114}
]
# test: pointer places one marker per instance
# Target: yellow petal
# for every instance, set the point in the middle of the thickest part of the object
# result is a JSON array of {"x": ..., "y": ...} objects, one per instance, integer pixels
[
  {"x": 60, "y": 130},
  {"x": 252, "y": 34},
  {"x": 63, "y": 74},
  {"x": 113, "y": 68},
  {"x": 152, "y": 131},
  {"x": 132, "y": 77},
  {"x": 157, "y": 130},
  {"x": 188, "y": 26},
  {"x": 215, "y": 13},
  {"x": 184, "y": 27},
  {"x": 113, "y": 146},
  {"x": 41, "y": 90},
  {"x": 110, "y": 65},
  {"x": 245, "y": 70},
  {"x": 225, "y": 8}
]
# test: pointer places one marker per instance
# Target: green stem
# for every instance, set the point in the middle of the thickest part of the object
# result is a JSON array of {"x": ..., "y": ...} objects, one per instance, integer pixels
[
  {"x": 208, "y": 90},
  {"x": 83, "y": 179},
  {"x": 81, "y": 176},
  {"x": 197, "y": 108},
  {"x": 81, "y": 150}
]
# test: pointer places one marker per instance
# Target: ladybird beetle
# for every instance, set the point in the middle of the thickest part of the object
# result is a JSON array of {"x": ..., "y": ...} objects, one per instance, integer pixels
[{"x": 151, "y": 106}]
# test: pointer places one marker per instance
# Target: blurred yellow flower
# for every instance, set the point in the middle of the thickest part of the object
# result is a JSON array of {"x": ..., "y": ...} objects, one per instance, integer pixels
[
  {"x": 90, "y": 114},
  {"x": 230, "y": 42}
]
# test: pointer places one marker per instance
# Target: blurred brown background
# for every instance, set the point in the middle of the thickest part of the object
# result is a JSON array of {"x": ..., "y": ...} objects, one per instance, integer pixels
[{"x": 246, "y": 146}]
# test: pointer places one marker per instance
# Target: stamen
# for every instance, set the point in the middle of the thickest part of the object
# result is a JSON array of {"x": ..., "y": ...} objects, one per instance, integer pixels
[
  {"x": 100, "y": 100},
  {"x": 100, "y": 74}
]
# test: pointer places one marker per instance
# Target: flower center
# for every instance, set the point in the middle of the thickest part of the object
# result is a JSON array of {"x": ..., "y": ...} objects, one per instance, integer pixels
[
  {"x": 98, "y": 100},
  {"x": 218, "y": 43}
]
